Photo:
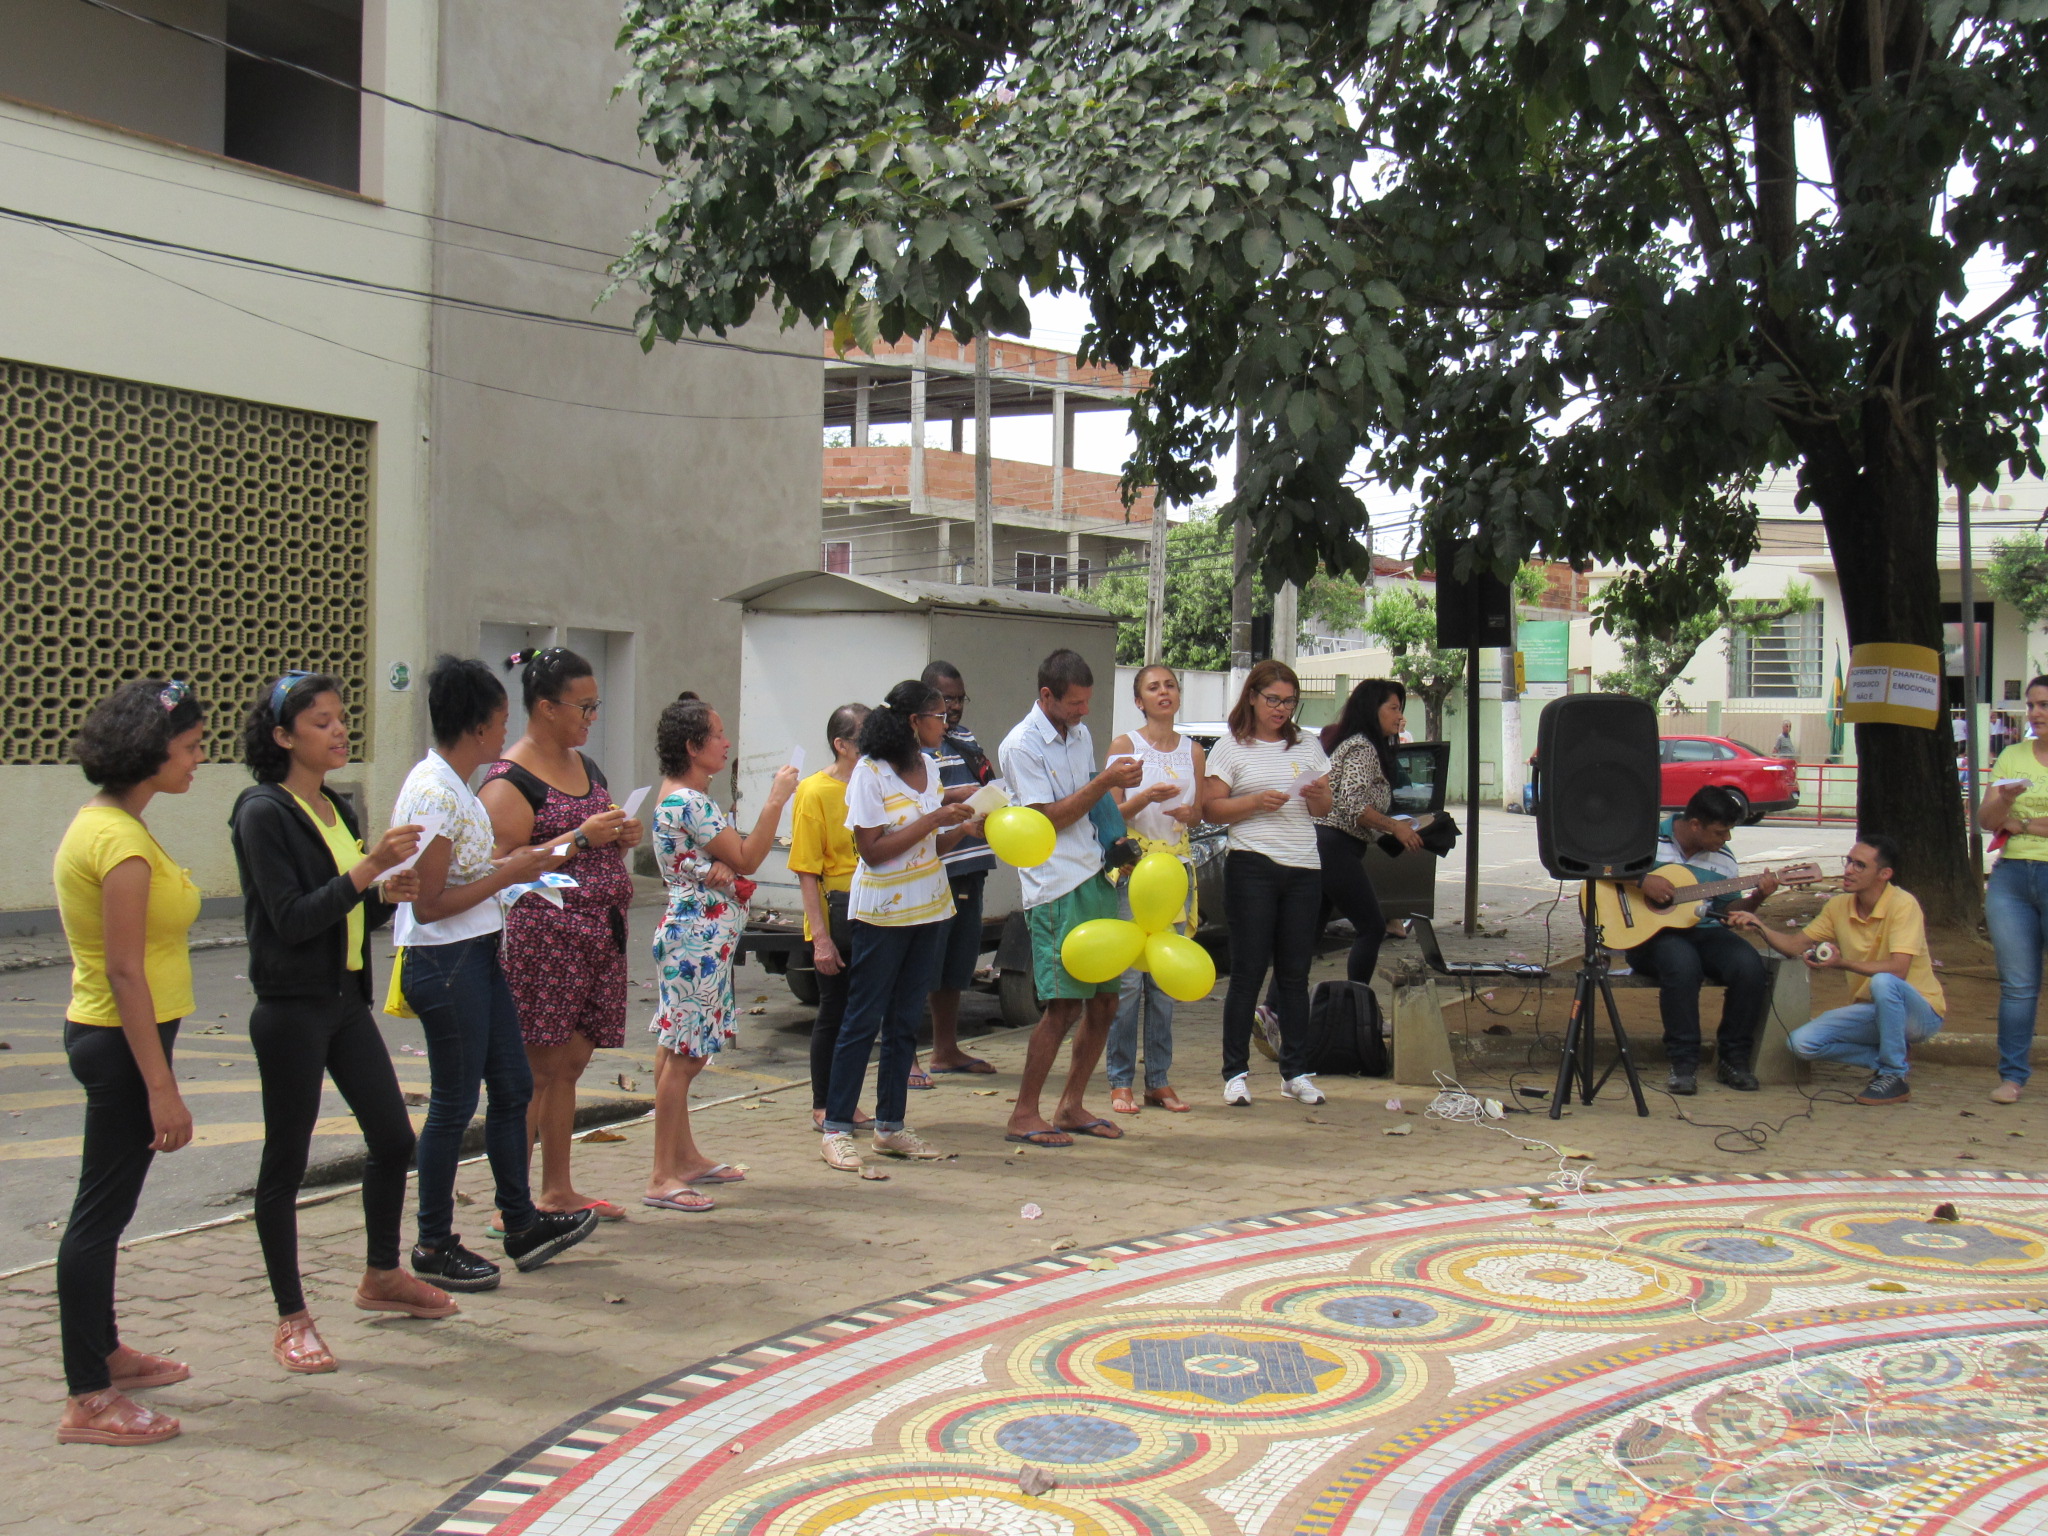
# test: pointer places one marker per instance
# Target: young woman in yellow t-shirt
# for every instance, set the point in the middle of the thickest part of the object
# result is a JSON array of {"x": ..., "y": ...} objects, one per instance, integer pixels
[
  {"x": 127, "y": 910},
  {"x": 2016, "y": 897}
]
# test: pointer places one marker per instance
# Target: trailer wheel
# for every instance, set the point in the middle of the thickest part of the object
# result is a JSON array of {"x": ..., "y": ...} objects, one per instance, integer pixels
[
  {"x": 802, "y": 977},
  {"x": 1019, "y": 998}
]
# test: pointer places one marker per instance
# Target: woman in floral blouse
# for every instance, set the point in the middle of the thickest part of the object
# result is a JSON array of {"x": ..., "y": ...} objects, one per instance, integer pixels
[
  {"x": 1360, "y": 793},
  {"x": 698, "y": 937}
]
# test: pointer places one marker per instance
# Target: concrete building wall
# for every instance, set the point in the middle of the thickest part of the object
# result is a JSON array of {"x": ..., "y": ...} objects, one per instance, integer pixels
[{"x": 679, "y": 476}]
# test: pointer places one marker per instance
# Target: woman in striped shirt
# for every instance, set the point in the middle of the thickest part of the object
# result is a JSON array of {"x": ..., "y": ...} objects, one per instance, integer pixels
[{"x": 899, "y": 907}]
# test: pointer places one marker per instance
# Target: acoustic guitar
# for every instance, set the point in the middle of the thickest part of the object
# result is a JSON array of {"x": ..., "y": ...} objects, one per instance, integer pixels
[{"x": 1627, "y": 917}]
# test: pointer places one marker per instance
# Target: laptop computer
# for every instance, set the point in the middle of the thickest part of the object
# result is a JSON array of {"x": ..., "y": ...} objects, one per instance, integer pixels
[{"x": 1433, "y": 954}]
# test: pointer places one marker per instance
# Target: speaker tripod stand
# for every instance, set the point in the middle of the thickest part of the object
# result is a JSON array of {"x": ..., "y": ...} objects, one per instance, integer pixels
[{"x": 1577, "y": 1063}]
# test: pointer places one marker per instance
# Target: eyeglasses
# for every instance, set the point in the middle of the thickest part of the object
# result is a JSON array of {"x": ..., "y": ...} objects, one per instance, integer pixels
[
  {"x": 954, "y": 703},
  {"x": 589, "y": 709},
  {"x": 282, "y": 688},
  {"x": 936, "y": 715},
  {"x": 175, "y": 693},
  {"x": 1280, "y": 700}
]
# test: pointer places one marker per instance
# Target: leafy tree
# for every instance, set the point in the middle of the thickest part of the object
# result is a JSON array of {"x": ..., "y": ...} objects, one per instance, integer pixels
[
  {"x": 2018, "y": 575},
  {"x": 1544, "y": 263},
  {"x": 1198, "y": 581},
  {"x": 1405, "y": 618},
  {"x": 1653, "y": 660}
]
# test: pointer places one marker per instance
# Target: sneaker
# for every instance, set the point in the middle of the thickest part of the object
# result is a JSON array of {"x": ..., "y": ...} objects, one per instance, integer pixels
[
  {"x": 551, "y": 1232},
  {"x": 906, "y": 1143},
  {"x": 1302, "y": 1088},
  {"x": 1238, "y": 1090},
  {"x": 1886, "y": 1088},
  {"x": 841, "y": 1153},
  {"x": 1736, "y": 1076},
  {"x": 1684, "y": 1084},
  {"x": 453, "y": 1267},
  {"x": 1267, "y": 1036},
  {"x": 2007, "y": 1092}
]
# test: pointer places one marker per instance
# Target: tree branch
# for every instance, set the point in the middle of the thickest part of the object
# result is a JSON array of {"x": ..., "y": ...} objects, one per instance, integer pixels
[
  {"x": 1706, "y": 222},
  {"x": 2022, "y": 288}
]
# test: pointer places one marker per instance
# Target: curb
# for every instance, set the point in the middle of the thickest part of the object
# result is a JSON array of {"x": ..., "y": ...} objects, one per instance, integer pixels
[{"x": 40, "y": 962}]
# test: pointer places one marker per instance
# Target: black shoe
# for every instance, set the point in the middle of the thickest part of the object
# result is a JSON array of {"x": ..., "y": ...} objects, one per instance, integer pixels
[
  {"x": 551, "y": 1232},
  {"x": 453, "y": 1267},
  {"x": 1736, "y": 1076},
  {"x": 1683, "y": 1083},
  {"x": 1886, "y": 1088}
]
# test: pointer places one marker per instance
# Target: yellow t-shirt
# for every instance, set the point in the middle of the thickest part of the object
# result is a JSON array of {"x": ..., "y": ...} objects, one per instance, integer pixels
[
  {"x": 2018, "y": 762},
  {"x": 1896, "y": 926},
  {"x": 348, "y": 852},
  {"x": 100, "y": 838},
  {"x": 819, "y": 843}
]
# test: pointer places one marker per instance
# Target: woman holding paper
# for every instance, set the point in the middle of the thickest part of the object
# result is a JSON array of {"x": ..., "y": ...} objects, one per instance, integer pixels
[
  {"x": 2016, "y": 897},
  {"x": 310, "y": 903},
  {"x": 1159, "y": 811},
  {"x": 699, "y": 936},
  {"x": 566, "y": 964}
]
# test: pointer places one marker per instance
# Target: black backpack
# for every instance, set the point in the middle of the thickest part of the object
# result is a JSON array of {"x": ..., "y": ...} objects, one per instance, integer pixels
[{"x": 1346, "y": 1033}]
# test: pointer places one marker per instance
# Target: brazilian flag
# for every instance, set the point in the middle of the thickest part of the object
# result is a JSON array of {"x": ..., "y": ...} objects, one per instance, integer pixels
[{"x": 1835, "y": 722}]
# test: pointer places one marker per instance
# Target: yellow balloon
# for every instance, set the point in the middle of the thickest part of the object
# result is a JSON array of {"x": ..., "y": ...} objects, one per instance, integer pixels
[
  {"x": 1159, "y": 891},
  {"x": 1021, "y": 836},
  {"x": 1182, "y": 967},
  {"x": 1101, "y": 949}
]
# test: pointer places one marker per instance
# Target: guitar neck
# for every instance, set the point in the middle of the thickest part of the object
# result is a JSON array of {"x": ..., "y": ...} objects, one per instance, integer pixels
[{"x": 1711, "y": 889}]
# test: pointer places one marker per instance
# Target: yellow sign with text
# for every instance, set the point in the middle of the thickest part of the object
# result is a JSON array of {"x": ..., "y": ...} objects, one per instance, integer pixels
[{"x": 1893, "y": 685}]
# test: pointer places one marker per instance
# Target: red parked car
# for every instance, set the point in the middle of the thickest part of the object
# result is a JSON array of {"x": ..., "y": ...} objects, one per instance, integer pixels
[{"x": 1691, "y": 763}]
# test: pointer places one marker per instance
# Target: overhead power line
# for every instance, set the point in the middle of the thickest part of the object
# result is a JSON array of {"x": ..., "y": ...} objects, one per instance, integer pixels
[{"x": 365, "y": 90}]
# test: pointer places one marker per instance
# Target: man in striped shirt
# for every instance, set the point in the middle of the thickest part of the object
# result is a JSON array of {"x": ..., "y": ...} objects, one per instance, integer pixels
[{"x": 963, "y": 769}]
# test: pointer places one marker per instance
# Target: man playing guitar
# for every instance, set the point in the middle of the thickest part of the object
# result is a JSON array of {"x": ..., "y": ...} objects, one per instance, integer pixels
[{"x": 1681, "y": 959}]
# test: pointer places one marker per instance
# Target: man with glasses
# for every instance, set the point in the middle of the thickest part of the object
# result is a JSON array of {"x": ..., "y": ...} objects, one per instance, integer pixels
[
  {"x": 963, "y": 769},
  {"x": 1879, "y": 936},
  {"x": 1048, "y": 761}
]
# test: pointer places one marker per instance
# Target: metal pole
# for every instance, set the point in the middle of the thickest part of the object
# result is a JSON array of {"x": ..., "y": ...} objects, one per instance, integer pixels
[
  {"x": 984, "y": 490},
  {"x": 1969, "y": 617},
  {"x": 1472, "y": 791}
]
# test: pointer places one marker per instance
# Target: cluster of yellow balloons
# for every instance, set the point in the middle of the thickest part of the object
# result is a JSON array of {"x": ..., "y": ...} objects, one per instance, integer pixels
[
  {"x": 1021, "y": 836},
  {"x": 1105, "y": 947}
]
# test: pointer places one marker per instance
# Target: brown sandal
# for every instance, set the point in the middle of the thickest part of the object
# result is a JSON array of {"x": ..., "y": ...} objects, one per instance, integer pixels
[
  {"x": 299, "y": 1348},
  {"x": 149, "y": 1371},
  {"x": 1122, "y": 1101},
  {"x": 111, "y": 1419},
  {"x": 1168, "y": 1100},
  {"x": 420, "y": 1300}
]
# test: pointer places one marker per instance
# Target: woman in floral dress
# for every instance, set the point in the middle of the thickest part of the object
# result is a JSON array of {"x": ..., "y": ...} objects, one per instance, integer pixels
[{"x": 698, "y": 937}]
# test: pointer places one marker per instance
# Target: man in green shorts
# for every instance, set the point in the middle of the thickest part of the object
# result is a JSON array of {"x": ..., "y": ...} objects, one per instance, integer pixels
[{"x": 1048, "y": 761}]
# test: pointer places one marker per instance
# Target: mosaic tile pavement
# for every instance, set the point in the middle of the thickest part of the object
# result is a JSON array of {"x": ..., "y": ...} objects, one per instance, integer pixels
[{"x": 1795, "y": 1354}]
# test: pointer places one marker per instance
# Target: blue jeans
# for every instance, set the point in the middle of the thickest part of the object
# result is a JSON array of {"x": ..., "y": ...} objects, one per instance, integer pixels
[
  {"x": 1872, "y": 1035},
  {"x": 1141, "y": 994},
  {"x": 2016, "y": 912},
  {"x": 473, "y": 1045},
  {"x": 892, "y": 971}
]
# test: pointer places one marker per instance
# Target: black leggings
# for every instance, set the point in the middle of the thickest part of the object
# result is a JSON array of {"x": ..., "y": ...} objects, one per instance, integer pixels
[
  {"x": 831, "y": 999},
  {"x": 1350, "y": 891},
  {"x": 111, "y": 1168},
  {"x": 298, "y": 1044}
]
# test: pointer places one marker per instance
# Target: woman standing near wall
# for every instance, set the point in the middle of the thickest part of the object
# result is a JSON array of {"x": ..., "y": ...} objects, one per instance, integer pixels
[
  {"x": 309, "y": 907},
  {"x": 127, "y": 909},
  {"x": 823, "y": 859},
  {"x": 695, "y": 946},
  {"x": 566, "y": 964},
  {"x": 1265, "y": 781}
]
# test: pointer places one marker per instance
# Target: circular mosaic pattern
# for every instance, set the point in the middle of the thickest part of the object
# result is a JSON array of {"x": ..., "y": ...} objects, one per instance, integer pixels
[{"x": 1697, "y": 1357}]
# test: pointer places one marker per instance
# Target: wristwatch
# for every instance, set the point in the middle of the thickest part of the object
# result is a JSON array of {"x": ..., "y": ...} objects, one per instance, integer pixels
[{"x": 582, "y": 841}]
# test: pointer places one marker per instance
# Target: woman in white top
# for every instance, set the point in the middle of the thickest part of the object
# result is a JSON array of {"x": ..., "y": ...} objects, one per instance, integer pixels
[
  {"x": 450, "y": 976},
  {"x": 1159, "y": 811},
  {"x": 1266, "y": 781},
  {"x": 898, "y": 910}
]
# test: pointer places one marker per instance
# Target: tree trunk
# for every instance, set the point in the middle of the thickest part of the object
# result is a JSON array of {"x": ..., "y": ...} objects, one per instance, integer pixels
[{"x": 1882, "y": 519}]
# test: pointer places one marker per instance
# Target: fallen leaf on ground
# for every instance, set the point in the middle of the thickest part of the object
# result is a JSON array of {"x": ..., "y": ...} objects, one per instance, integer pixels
[
  {"x": 756, "y": 1010},
  {"x": 415, "y": 1099},
  {"x": 1969, "y": 1114},
  {"x": 1575, "y": 1154},
  {"x": 873, "y": 1173},
  {"x": 983, "y": 1093},
  {"x": 1063, "y": 1244},
  {"x": 1888, "y": 1286},
  {"x": 462, "y": 1199},
  {"x": 1945, "y": 1212},
  {"x": 1102, "y": 1261},
  {"x": 1968, "y": 1157},
  {"x": 1397, "y": 1130},
  {"x": 1538, "y": 1203},
  {"x": 1541, "y": 1221},
  {"x": 601, "y": 1135},
  {"x": 1031, "y": 1212},
  {"x": 1036, "y": 1480},
  {"x": 762, "y": 998},
  {"x": 2015, "y": 1133},
  {"x": 627, "y": 1084},
  {"x": 616, "y": 1301},
  {"x": 735, "y": 1448}
]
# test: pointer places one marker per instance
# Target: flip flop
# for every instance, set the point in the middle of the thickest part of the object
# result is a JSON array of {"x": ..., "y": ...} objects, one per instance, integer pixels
[
  {"x": 1123, "y": 1102},
  {"x": 915, "y": 1086},
  {"x": 724, "y": 1173},
  {"x": 1101, "y": 1130},
  {"x": 976, "y": 1066},
  {"x": 1037, "y": 1138},
  {"x": 679, "y": 1200}
]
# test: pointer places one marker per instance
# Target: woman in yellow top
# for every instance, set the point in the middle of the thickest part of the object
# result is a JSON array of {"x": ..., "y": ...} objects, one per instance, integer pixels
[
  {"x": 822, "y": 857},
  {"x": 127, "y": 911},
  {"x": 2016, "y": 898}
]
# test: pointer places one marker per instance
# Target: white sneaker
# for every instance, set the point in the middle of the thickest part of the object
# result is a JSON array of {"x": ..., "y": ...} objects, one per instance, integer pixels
[
  {"x": 1238, "y": 1090},
  {"x": 1302, "y": 1088},
  {"x": 841, "y": 1152},
  {"x": 906, "y": 1143}
]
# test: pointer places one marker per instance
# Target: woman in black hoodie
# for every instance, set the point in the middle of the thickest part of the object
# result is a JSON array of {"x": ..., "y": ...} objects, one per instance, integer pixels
[{"x": 309, "y": 910}]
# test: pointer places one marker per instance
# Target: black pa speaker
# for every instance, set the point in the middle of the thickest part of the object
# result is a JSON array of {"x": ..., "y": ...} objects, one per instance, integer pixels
[
  {"x": 1478, "y": 611},
  {"x": 1597, "y": 791}
]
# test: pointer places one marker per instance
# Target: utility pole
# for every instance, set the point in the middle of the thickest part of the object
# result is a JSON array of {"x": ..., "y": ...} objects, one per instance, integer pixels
[
  {"x": 984, "y": 490},
  {"x": 1241, "y": 576},
  {"x": 1155, "y": 587},
  {"x": 1286, "y": 622},
  {"x": 1472, "y": 789}
]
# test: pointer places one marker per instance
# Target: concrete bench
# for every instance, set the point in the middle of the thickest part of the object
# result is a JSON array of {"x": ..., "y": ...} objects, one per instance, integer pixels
[{"x": 1421, "y": 1044}]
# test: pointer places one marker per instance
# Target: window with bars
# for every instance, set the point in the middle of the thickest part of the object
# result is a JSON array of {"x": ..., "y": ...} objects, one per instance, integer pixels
[
  {"x": 1052, "y": 573},
  {"x": 158, "y": 532},
  {"x": 1783, "y": 662},
  {"x": 836, "y": 557}
]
